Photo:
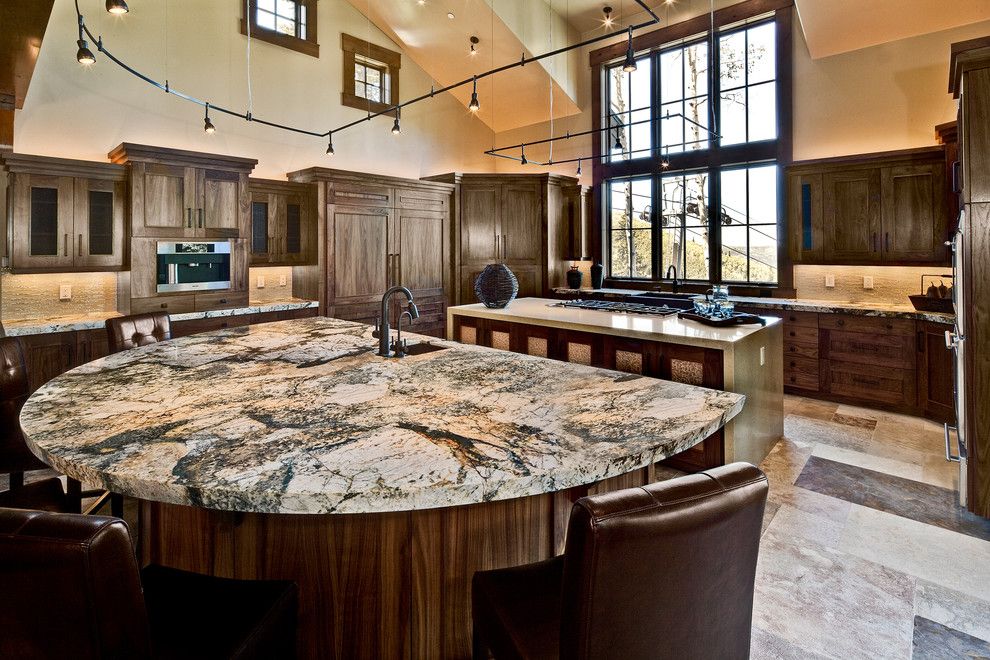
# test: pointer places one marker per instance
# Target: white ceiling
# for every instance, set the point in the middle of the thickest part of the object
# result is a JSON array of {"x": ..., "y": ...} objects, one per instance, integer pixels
[{"x": 839, "y": 26}]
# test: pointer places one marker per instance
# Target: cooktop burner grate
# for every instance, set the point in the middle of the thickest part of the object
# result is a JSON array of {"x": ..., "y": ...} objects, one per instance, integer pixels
[{"x": 618, "y": 307}]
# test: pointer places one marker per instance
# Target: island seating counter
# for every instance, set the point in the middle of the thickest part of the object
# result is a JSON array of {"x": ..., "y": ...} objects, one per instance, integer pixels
[
  {"x": 746, "y": 359},
  {"x": 290, "y": 450}
]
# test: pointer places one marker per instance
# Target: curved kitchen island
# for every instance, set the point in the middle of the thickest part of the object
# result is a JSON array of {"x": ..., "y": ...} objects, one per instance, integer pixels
[{"x": 291, "y": 450}]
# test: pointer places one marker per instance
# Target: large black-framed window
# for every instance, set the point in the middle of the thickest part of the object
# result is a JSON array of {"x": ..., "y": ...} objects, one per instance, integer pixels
[{"x": 715, "y": 209}]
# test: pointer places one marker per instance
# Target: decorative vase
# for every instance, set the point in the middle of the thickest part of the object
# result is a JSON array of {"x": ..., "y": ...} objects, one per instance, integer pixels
[
  {"x": 597, "y": 275},
  {"x": 496, "y": 286},
  {"x": 574, "y": 277}
]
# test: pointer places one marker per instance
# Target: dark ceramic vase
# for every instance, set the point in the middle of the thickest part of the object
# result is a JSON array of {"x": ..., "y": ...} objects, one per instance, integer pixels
[
  {"x": 496, "y": 286},
  {"x": 574, "y": 277},
  {"x": 597, "y": 276}
]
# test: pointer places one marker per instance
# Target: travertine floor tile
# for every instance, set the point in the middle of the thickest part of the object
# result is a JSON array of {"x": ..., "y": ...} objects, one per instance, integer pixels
[{"x": 952, "y": 608}]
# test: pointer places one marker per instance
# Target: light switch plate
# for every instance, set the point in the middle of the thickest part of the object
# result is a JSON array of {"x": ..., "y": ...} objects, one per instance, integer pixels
[
  {"x": 281, "y": 280},
  {"x": 867, "y": 282},
  {"x": 830, "y": 281},
  {"x": 65, "y": 292},
  {"x": 261, "y": 281}
]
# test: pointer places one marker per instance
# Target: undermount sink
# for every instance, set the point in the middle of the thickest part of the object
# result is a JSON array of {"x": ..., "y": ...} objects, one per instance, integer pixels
[
  {"x": 423, "y": 347},
  {"x": 669, "y": 294},
  {"x": 677, "y": 301}
]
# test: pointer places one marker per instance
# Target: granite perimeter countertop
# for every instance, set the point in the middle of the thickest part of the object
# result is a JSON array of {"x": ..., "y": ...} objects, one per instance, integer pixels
[
  {"x": 303, "y": 417},
  {"x": 17, "y": 327},
  {"x": 547, "y": 312},
  {"x": 878, "y": 309}
]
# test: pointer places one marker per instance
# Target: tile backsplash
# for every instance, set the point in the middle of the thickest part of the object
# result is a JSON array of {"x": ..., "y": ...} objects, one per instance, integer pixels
[
  {"x": 891, "y": 284},
  {"x": 37, "y": 296},
  {"x": 273, "y": 289}
]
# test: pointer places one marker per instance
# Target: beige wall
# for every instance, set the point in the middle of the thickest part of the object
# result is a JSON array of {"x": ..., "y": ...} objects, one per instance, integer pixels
[
  {"x": 891, "y": 284},
  {"x": 36, "y": 296},
  {"x": 273, "y": 277},
  {"x": 83, "y": 113}
]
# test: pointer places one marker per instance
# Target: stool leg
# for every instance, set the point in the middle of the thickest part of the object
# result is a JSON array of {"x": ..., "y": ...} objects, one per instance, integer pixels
[
  {"x": 479, "y": 650},
  {"x": 117, "y": 505},
  {"x": 73, "y": 492}
]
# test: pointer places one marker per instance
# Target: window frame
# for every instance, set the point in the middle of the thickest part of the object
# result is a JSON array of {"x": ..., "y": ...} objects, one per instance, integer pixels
[
  {"x": 715, "y": 157},
  {"x": 308, "y": 45},
  {"x": 353, "y": 48}
]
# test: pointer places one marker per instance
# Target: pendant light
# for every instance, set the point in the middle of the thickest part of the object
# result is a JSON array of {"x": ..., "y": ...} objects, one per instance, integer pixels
[
  {"x": 117, "y": 7},
  {"x": 523, "y": 160},
  {"x": 474, "y": 106},
  {"x": 579, "y": 167},
  {"x": 84, "y": 55},
  {"x": 630, "y": 64},
  {"x": 208, "y": 126},
  {"x": 396, "y": 129}
]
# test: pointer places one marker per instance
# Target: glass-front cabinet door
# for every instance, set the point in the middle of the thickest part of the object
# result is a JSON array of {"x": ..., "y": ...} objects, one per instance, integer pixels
[
  {"x": 41, "y": 217},
  {"x": 98, "y": 234}
]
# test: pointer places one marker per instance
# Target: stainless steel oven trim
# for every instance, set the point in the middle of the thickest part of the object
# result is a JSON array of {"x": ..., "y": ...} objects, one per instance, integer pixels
[
  {"x": 194, "y": 286},
  {"x": 168, "y": 247}
]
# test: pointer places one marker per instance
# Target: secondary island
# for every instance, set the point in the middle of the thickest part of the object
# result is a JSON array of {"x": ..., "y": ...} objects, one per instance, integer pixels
[{"x": 290, "y": 450}]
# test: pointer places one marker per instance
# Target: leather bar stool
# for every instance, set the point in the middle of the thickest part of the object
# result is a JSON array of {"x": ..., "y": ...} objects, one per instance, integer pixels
[
  {"x": 663, "y": 571},
  {"x": 124, "y": 332},
  {"x": 15, "y": 457},
  {"x": 72, "y": 589}
]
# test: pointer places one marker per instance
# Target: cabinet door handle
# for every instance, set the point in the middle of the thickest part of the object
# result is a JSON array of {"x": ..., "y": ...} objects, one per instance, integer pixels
[
  {"x": 498, "y": 253},
  {"x": 201, "y": 212},
  {"x": 189, "y": 217},
  {"x": 874, "y": 241},
  {"x": 505, "y": 246},
  {"x": 886, "y": 240},
  {"x": 65, "y": 246},
  {"x": 80, "y": 245}
]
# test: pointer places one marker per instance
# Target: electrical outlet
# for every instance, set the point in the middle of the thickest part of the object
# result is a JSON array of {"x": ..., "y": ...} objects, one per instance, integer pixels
[
  {"x": 65, "y": 292},
  {"x": 281, "y": 280},
  {"x": 763, "y": 355},
  {"x": 867, "y": 281},
  {"x": 830, "y": 281},
  {"x": 261, "y": 281}
]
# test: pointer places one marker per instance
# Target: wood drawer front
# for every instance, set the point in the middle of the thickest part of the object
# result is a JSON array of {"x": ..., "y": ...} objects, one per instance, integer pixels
[
  {"x": 861, "y": 381},
  {"x": 882, "y": 350},
  {"x": 800, "y": 334},
  {"x": 866, "y": 324},
  {"x": 227, "y": 300},
  {"x": 803, "y": 319},
  {"x": 800, "y": 349},
  {"x": 170, "y": 304},
  {"x": 801, "y": 372},
  {"x": 801, "y": 381}
]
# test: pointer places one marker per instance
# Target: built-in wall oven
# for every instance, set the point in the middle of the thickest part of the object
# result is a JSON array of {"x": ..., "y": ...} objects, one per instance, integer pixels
[{"x": 193, "y": 266}]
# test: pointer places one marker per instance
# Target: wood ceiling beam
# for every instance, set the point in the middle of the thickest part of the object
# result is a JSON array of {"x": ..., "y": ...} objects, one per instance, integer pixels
[{"x": 22, "y": 28}]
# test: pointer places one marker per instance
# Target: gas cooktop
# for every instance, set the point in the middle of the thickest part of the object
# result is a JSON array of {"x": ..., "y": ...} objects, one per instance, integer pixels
[{"x": 618, "y": 307}]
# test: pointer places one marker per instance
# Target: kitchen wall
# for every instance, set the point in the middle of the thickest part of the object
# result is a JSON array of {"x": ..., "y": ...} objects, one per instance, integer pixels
[
  {"x": 77, "y": 112},
  {"x": 37, "y": 296},
  {"x": 273, "y": 290},
  {"x": 891, "y": 284}
]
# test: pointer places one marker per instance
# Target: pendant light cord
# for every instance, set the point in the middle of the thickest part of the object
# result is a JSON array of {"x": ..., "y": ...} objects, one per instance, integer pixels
[
  {"x": 551, "y": 70},
  {"x": 247, "y": 15}
]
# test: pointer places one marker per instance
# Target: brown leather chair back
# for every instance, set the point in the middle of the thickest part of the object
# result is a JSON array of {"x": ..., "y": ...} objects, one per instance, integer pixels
[
  {"x": 14, "y": 454},
  {"x": 124, "y": 332},
  {"x": 71, "y": 588},
  {"x": 664, "y": 571}
]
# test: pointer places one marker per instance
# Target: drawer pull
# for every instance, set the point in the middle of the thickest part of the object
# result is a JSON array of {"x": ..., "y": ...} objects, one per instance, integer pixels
[
  {"x": 793, "y": 334},
  {"x": 840, "y": 322},
  {"x": 793, "y": 349},
  {"x": 164, "y": 305},
  {"x": 793, "y": 379},
  {"x": 793, "y": 364},
  {"x": 793, "y": 318},
  {"x": 223, "y": 301}
]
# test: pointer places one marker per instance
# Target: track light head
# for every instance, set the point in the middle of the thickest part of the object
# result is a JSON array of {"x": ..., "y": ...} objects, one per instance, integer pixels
[
  {"x": 630, "y": 64},
  {"x": 474, "y": 42},
  {"x": 208, "y": 126},
  {"x": 396, "y": 129},
  {"x": 618, "y": 144},
  {"x": 474, "y": 106},
  {"x": 117, "y": 7},
  {"x": 84, "y": 55},
  {"x": 523, "y": 160},
  {"x": 330, "y": 150},
  {"x": 579, "y": 167}
]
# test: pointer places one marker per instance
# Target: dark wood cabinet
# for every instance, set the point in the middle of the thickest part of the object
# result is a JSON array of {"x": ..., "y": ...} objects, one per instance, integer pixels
[
  {"x": 526, "y": 221},
  {"x": 380, "y": 232},
  {"x": 65, "y": 215},
  {"x": 283, "y": 223},
  {"x": 936, "y": 372},
  {"x": 888, "y": 208},
  {"x": 185, "y": 194}
]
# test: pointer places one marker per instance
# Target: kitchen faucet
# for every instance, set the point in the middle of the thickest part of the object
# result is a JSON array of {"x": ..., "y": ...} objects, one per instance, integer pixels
[
  {"x": 384, "y": 331},
  {"x": 673, "y": 280}
]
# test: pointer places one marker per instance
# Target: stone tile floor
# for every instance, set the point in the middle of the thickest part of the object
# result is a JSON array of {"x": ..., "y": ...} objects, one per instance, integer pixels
[{"x": 865, "y": 553}]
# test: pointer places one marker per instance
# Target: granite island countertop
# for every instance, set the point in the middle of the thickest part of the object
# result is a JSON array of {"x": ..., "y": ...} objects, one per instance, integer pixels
[
  {"x": 303, "y": 417},
  {"x": 548, "y": 312},
  {"x": 37, "y": 326}
]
